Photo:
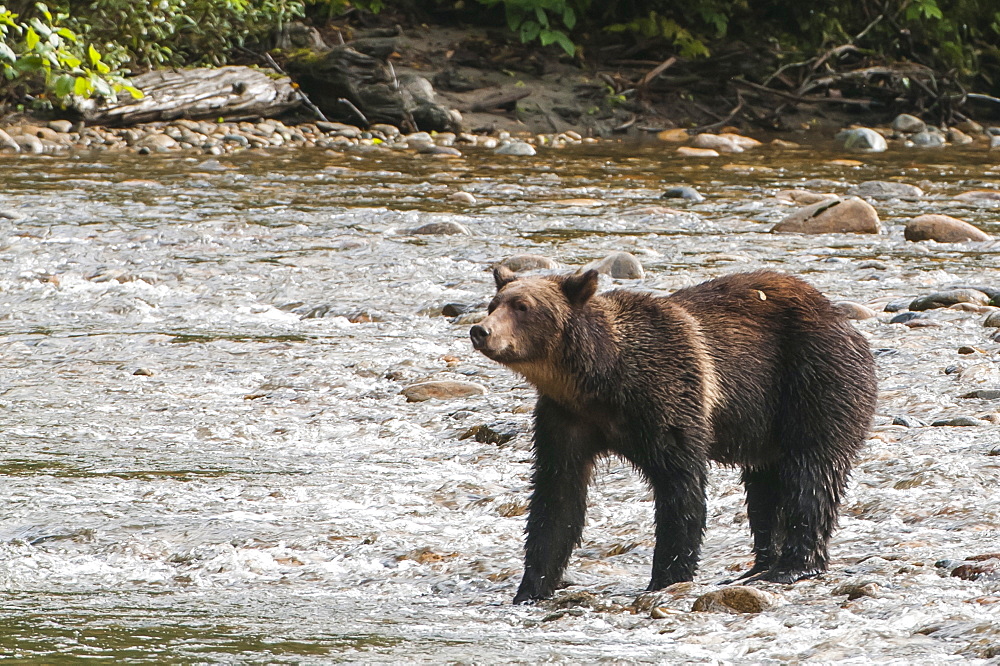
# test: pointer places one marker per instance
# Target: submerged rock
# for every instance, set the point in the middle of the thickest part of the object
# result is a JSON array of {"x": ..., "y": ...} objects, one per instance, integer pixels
[
  {"x": 735, "y": 599},
  {"x": 516, "y": 148},
  {"x": 832, "y": 216},
  {"x": 683, "y": 192},
  {"x": 723, "y": 144},
  {"x": 529, "y": 262},
  {"x": 928, "y": 139},
  {"x": 943, "y": 229},
  {"x": 689, "y": 151},
  {"x": 442, "y": 390},
  {"x": 447, "y": 228},
  {"x": 944, "y": 299},
  {"x": 853, "y": 310},
  {"x": 619, "y": 265},
  {"x": 886, "y": 189}
]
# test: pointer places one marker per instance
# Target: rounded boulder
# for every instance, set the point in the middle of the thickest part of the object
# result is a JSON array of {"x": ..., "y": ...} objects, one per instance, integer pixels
[{"x": 943, "y": 229}]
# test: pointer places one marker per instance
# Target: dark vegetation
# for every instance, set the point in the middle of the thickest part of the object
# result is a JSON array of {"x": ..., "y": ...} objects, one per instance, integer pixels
[{"x": 742, "y": 59}]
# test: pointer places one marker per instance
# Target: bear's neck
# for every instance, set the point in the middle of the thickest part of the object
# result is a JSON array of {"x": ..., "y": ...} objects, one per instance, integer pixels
[{"x": 552, "y": 382}]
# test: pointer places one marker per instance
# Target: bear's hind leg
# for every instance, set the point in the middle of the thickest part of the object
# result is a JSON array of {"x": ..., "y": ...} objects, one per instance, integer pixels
[
  {"x": 810, "y": 497},
  {"x": 763, "y": 507}
]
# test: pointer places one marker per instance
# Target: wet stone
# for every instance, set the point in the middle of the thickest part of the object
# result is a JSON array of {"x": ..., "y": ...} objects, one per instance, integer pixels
[
  {"x": 484, "y": 434},
  {"x": 905, "y": 317},
  {"x": 960, "y": 422},
  {"x": 928, "y": 139},
  {"x": 979, "y": 196},
  {"x": 904, "y": 122},
  {"x": 863, "y": 138},
  {"x": 717, "y": 142},
  {"x": 832, "y": 216},
  {"x": 143, "y": 372},
  {"x": 984, "y": 394},
  {"x": 804, "y": 197},
  {"x": 516, "y": 148},
  {"x": 529, "y": 262},
  {"x": 440, "y": 229},
  {"x": 943, "y": 229},
  {"x": 943, "y": 299},
  {"x": 462, "y": 197},
  {"x": 618, "y": 265},
  {"x": 689, "y": 151},
  {"x": 886, "y": 189},
  {"x": 856, "y": 590},
  {"x": 683, "y": 192},
  {"x": 735, "y": 599},
  {"x": 442, "y": 390},
  {"x": 993, "y": 320},
  {"x": 897, "y": 304},
  {"x": 853, "y": 310},
  {"x": 907, "y": 421}
]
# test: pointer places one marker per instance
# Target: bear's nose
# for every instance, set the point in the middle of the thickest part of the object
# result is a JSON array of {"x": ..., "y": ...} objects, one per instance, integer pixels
[{"x": 479, "y": 334}]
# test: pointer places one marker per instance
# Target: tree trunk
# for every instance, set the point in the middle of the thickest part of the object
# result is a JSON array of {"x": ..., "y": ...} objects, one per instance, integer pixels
[{"x": 232, "y": 93}]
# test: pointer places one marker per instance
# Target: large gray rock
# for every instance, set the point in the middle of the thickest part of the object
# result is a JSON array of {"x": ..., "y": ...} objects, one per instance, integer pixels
[
  {"x": 863, "y": 138},
  {"x": 832, "y": 216},
  {"x": 943, "y": 229},
  {"x": 944, "y": 299},
  {"x": 619, "y": 265},
  {"x": 904, "y": 122},
  {"x": 442, "y": 390}
]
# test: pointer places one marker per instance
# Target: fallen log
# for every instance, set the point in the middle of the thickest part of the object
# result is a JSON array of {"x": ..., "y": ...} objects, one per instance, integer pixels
[{"x": 233, "y": 93}]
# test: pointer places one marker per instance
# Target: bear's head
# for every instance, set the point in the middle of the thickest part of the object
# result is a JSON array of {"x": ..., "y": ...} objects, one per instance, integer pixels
[{"x": 527, "y": 317}]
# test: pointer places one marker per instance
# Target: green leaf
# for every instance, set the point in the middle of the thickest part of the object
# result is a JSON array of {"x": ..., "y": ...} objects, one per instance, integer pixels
[
  {"x": 66, "y": 33},
  {"x": 63, "y": 85},
  {"x": 543, "y": 18},
  {"x": 69, "y": 60},
  {"x": 566, "y": 43},
  {"x": 135, "y": 92},
  {"x": 31, "y": 39},
  {"x": 529, "y": 31},
  {"x": 7, "y": 53},
  {"x": 81, "y": 87},
  {"x": 569, "y": 18},
  {"x": 93, "y": 55}
]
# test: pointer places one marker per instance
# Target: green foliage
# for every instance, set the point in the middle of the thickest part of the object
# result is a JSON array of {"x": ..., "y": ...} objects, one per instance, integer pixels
[
  {"x": 656, "y": 26},
  {"x": 543, "y": 20},
  {"x": 51, "y": 60}
]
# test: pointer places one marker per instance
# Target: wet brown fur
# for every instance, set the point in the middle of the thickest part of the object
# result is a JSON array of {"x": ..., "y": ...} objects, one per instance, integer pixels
[{"x": 755, "y": 369}]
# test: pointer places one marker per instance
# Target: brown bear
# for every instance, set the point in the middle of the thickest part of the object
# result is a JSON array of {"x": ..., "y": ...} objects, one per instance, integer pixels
[{"x": 756, "y": 370}]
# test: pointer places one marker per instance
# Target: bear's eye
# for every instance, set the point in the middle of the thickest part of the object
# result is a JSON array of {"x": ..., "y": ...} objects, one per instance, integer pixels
[{"x": 521, "y": 306}]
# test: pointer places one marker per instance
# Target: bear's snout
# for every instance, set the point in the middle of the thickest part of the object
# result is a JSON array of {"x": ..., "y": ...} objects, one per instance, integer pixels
[{"x": 479, "y": 335}]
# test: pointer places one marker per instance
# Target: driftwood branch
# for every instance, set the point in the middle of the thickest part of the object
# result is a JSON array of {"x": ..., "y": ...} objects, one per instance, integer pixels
[
  {"x": 802, "y": 99},
  {"x": 233, "y": 93},
  {"x": 498, "y": 99}
]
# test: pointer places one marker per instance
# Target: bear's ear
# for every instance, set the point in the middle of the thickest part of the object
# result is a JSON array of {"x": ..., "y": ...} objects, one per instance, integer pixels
[
  {"x": 579, "y": 287},
  {"x": 503, "y": 276}
]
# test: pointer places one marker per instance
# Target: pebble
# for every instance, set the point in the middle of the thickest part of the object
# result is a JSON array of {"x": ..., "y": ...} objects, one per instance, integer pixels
[
  {"x": 688, "y": 151},
  {"x": 735, "y": 599},
  {"x": 442, "y": 390},
  {"x": 856, "y": 590},
  {"x": 781, "y": 143},
  {"x": 516, "y": 148},
  {"x": 993, "y": 320},
  {"x": 907, "y": 421},
  {"x": 529, "y": 262},
  {"x": 984, "y": 394},
  {"x": 958, "y": 137},
  {"x": 832, "y": 216},
  {"x": 432, "y": 149},
  {"x": 744, "y": 142},
  {"x": 463, "y": 197},
  {"x": 943, "y": 229},
  {"x": 853, "y": 310},
  {"x": 927, "y": 139},
  {"x": 618, "y": 265},
  {"x": 8, "y": 143},
  {"x": 683, "y": 192},
  {"x": 897, "y": 304},
  {"x": 977, "y": 196},
  {"x": 440, "y": 229},
  {"x": 29, "y": 143},
  {"x": 904, "y": 122},
  {"x": 156, "y": 142},
  {"x": 723, "y": 144},
  {"x": 863, "y": 138},
  {"x": 143, "y": 372},
  {"x": 904, "y": 317},
  {"x": 979, "y": 567},
  {"x": 885, "y": 189},
  {"x": 943, "y": 299},
  {"x": 960, "y": 421},
  {"x": 673, "y": 135},
  {"x": 804, "y": 197}
]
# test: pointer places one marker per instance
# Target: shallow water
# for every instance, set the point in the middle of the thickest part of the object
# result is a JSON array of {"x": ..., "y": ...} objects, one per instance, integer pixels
[{"x": 262, "y": 492}]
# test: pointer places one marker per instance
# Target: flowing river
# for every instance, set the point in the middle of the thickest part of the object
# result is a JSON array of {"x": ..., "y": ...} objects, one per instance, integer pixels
[{"x": 206, "y": 456}]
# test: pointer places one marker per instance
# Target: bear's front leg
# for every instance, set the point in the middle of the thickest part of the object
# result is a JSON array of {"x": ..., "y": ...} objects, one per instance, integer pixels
[
  {"x": 563, "y": 463},
  {"x": 680, "y": 520}
]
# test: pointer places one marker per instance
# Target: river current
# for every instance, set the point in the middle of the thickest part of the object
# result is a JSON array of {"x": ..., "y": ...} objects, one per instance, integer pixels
[{"x": 205, "y": 455}]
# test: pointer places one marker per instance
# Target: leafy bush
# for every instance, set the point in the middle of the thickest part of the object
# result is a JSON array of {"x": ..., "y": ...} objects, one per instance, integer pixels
[{"x": 41, "y": 55}]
